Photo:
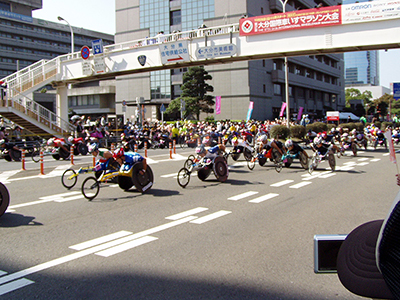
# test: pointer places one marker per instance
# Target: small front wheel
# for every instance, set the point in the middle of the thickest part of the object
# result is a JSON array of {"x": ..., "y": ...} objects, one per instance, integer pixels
[
  {"x": 332, "y": 161},
  {"x": 4, "y": 199},
  {"x": 90, "y": 188},
  {"x": 36, "y": 155},
  {"x": 278, "y": 166},
  {"x": 69, "y": 178},
  {"x": 183, "y": 177},
  {"x": 251, "y": 163}
]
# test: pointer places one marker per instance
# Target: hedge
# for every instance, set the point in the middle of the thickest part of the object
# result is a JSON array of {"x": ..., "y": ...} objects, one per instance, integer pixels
[{"x": 280, "y": 132}]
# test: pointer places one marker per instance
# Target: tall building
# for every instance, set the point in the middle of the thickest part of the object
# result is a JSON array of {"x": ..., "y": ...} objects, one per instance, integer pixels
[
  {"x": 361, "y": 68},
  {"x": 26, "y": 40},
  {"x": 316, "y": 82}
]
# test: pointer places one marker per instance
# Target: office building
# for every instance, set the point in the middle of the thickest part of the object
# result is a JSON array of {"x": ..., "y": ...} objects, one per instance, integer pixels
[
  {"x": 26, "y": 40},
  {"x": 362, "y": 67},
  {"x": 316, "y": 82}
]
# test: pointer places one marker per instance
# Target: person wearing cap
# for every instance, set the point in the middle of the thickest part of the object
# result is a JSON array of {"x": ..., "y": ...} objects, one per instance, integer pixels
[
  {"x": 128, "y": 159},
  {"x": 4, "y": 145},
  {"x": 59, "y": 143},
  {"x": 368, "y": 262},
  {"x": 105, "y": 162}
]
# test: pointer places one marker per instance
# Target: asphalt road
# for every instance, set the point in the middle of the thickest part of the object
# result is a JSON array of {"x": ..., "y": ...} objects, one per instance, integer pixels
[{"x": 248, "y": 238}]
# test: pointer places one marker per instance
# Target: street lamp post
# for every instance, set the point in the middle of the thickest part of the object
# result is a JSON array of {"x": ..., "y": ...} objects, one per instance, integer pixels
[
  {"x": 286, "y": 76},
  {"x": 72, "y": 33}
]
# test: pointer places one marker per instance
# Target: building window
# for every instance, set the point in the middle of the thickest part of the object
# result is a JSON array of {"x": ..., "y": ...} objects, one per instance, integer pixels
[
  {"x": 263, "y": 63},
  {"x": 290, "y": 91},
  {"x": 277, "y": 89},
  {"x": 175, "y": 17},
  {"x": 319, "y": 76},
  {"x": 311, "y": 94},
  {"x": 264, "y": 89}
]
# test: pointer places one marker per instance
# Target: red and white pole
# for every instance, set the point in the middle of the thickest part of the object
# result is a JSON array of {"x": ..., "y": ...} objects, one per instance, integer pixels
[
  {"x": 170, "y": 150},
  {"x": 174, "y": 142},
  {"x": 145, "y": 149},
  {"x": 41, "y": 163},
  {"x": 112, "y": 147},
  {"x": 23, "y": 159},
  {"x": 136, "y": 148}
]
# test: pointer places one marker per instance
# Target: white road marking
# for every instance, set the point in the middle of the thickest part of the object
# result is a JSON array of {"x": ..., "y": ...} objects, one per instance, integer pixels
[
  {"x": 211, "y": 217},
  {"x": 375, "y": 159},
  {"x": 282, "y": 183},
  {"x": 363, "y": 164},
  {"x": 264, "y": 198},
  {"x": 70, "y": 257},
  {"x": 12, "y": 286},
  {"x": 126, "y": 246},
  {"x": 169, "y": 175},
  {"x": 241, "y": 196},
  {"x": 350, "y": 163},
  {"x": 30, "y": 203},
  {"x": 2, "y": 273},
  {"x": 58, "y": 171},
  {"x": 6, "y": 174},
  {"x": 327, "y": 175},
  {"x": 363, "y": 159},
  {"x": 187, "y": 213},
  {"x": 100, "y": 240},
  {"x": 386, "y": 154},
  {"x": 345, "y": 168},
  {"x": 299, "y": 185}
]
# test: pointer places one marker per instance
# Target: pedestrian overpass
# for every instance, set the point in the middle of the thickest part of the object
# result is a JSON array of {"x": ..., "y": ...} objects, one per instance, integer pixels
[{"x": 370, "y": 28}]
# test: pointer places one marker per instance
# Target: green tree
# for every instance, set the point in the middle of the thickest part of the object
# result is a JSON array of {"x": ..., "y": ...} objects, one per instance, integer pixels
[
  {"x": 194, "y": 93},
  {"x": 355, "y": 94}
]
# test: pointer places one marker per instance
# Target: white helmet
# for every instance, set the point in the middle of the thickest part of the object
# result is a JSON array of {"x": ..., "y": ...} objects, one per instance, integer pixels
[
  {"x": 288, "y": 143},
  {"x": 70, "y": 139},
  {"x": 50, "y": 142}
]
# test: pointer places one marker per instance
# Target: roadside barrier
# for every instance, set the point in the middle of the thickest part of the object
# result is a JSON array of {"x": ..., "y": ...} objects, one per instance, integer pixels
[
  {"x": 136, "y": 148},
  {"x": 72, "y": 154},
  {"x": 41, "y": 163},
  {"x": 112, "y": 147},
  {"x": 94, "y": 161},
  {"x": 170, "y": 150},
  {"x": 23, "y": 160},
  {"x": 174, "y": 143},
  {"x": 145, "y": 149},
  {"x": 198, "y": 142}
]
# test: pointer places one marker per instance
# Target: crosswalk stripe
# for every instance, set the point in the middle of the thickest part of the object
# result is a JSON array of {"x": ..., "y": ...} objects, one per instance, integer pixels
[
  {"x": 211, "y": 217},
  {"x": 299, "y": 185},
  {"x": 14, "y": 285},
  {"x": 187, "y": 213},
  {"x": 264, "y": 198},
  {"x": 126, "y": 246},
  {"x": 282, "y": 183},
  {"x": 241, "y": 196}
]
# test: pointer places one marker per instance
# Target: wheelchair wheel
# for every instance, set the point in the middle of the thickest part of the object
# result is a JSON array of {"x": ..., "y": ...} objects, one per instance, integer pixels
[
  {"x": 15, "y": 155},
  {"x": 332, "y": 162},
  {"x": 354, "y": 149},
  {"x": 36, "y": 155},
  {"x": 83, "y": 149},
  {"x": 251, "y": 163},
  {"x": 90, "y": 188},
  {"x": 125, "y": 182},
  {"x": 188, "y": 164},
  {"x": 143, "y": 182},
  {"x": 303, "y": 160},
  {"x": 64, "y": 154},
  {"x": 68, "y": 179},
  {"x": 7, "y": 157},
  {"x": 204, "y": 173},
  {"x": 235, "y": 156},
  {"x": 4, "y": 199},
  {"x": 220, "y": 169},
  {"x": 313, "y": 164},
  {"x": 288, "y": 162},
  {"x": 262, "y": 161},
  {"x": 183, "y": 177},
  {"x": 278, "y": 167},
  {"x": 247, "y": 154}
]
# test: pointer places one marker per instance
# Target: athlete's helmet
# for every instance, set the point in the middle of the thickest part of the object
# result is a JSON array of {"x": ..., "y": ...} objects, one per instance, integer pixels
[
  {"x": 288, "y": 143},
  {"x": 70, "y": 139},
  {"x": 200, "y": 150},
  {"x": 318, "y": 141},
  {"x": 50, "y": 142},
  {"x": 93, "y": 147},
  {"x": 235, "y": 141},
  {"x": 119, "y": 153},
  {"x": 2, "y": 142}
]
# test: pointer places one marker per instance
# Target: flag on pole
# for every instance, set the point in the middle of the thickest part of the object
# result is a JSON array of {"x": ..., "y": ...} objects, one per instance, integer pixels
[
  {"x": 250, "y": 111},
  {"x": 300, "y": 113},
  {"x": 388, "y": 136},
  {"x": 217, "y": 105},
  {"x": 282, "y": 109}
]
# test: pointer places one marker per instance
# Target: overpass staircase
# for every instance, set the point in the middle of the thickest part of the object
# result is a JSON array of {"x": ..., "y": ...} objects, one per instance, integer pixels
[{"x": 25, "y": 112}]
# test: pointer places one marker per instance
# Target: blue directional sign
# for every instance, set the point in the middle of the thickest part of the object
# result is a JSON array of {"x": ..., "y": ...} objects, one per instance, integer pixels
[
  {"x": 162, "y": 108},
  {"x": 396, "y": 90},
  {"x": 97, "y": 46}
]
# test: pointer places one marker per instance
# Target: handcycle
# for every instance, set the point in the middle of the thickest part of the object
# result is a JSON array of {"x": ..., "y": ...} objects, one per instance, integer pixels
[
  {"x": 204, "y": 167},
  {"x": 317, "y": 158},
  {"x": 287, "y": 159},
  {"x": 4, "y": 199},
  {"x": 127, "y": 176}
]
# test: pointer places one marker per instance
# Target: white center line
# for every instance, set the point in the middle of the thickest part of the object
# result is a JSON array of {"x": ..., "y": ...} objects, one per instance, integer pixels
[
  {"x": 363, "y": 164},
  {"x": 363, "y": 159},
  {"x": 168, "y": 175},
  {"x": 126, "y": 246},
  {"x": 241, "y": 196},
  {"x": 282, "y": 183},
  {"x": 263, "y": 198},
  {"x": 187, "y": 213}
]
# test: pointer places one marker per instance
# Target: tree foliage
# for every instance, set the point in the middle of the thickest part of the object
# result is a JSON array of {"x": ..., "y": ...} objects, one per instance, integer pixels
[
  {"x": 194, "y": 93},
  {"x": 355, "y": 94}
]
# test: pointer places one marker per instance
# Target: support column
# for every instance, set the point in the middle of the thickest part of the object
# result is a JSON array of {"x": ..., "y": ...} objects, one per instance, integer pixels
[{"x": 62, "y": 104}]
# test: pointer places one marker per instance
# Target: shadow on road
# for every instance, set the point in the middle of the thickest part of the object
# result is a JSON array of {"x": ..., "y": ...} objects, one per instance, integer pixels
[{"x": 16, "y": 220}]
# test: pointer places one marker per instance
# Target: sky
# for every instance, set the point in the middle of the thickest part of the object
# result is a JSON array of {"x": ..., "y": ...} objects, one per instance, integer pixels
[{"x": 99, "y": 15}]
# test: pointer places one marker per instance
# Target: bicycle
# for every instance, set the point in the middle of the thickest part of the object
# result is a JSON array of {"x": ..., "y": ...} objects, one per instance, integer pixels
[{"x": 127, "y": 176}]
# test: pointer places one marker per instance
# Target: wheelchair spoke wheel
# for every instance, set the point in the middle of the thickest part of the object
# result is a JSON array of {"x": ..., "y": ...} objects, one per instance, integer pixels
[
  {"x": 69, "y": 178},
  {"x": 90, "y": 188},
  {"x": 183, "y": 177}
]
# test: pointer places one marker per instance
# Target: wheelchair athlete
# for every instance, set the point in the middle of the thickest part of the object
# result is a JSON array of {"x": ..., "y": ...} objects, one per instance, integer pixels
[
  {"x": 106, "y": 160},
  {"x": 293, "y": 149},
  {"x": 128, "y": 159},
  {"x": 209, "y": 154}
]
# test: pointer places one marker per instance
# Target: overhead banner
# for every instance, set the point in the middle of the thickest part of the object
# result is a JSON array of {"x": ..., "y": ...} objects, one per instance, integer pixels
[{"x": 323, "y": 16}]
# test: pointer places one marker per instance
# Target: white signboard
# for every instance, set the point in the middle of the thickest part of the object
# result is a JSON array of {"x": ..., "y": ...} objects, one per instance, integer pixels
[
  {"x": 87, "y": 68},
  {"x": 99, "y": 65},
  {"x": 97, "y": 46},
  {"x": 370, "y": 11},
  {"x": 174, "y": 52},
  {"x": 216, "y": 51},
  {"x": 332, "y": 115}
]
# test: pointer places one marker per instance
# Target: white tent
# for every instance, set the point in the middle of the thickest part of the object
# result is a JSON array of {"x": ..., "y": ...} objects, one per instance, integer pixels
[{"x": 345, "y": 116}]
